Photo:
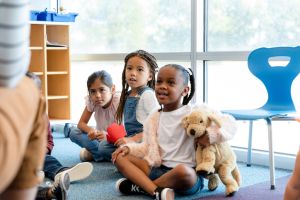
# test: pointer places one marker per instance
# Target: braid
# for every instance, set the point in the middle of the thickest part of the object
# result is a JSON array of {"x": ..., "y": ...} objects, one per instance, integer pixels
[
  {"x": 151, "y": 62},
  {"x": 120, "y": 109},
  {"x": 187, "y": 98}
]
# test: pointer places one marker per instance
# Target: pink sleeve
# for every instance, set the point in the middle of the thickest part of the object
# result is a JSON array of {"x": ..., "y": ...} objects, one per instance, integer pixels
[
  {"x": 226, "y": 132},
  {"x": 116, "y": 100},
  {"x": 137, "y": 149},
  {"x": 89, "y": 104},
  {"x": 148, "y": 149}
]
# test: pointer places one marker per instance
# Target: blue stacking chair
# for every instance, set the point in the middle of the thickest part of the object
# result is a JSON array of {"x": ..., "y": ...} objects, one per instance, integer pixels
[{"x": 278, "y": 81}]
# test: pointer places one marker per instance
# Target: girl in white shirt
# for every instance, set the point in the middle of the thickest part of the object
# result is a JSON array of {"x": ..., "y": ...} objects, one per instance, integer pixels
[{"x": 164, "y": 161}]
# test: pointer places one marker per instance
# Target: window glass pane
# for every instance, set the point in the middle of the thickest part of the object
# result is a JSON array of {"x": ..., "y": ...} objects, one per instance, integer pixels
[
  {"x": 110, "y": 26},
  {"x": 39, "y": 5},
  {"x": 243, "y": 24},
  {"x": 232, "y": 86},
  {"x": 199, "y": 26},
  {"x": 199, "y": 82}
]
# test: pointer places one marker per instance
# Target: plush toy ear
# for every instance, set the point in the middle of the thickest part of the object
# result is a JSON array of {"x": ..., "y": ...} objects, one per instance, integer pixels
[
  {"x": 215, "y": 119},
  {"x": 185, "y": 122}
]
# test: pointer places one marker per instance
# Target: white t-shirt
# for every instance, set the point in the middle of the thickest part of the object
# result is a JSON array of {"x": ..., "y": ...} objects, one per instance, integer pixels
[
  {"x": 14, "y": 41},
  {"x": 146, "y": 104},
  {"x": 176, "y": 146}
]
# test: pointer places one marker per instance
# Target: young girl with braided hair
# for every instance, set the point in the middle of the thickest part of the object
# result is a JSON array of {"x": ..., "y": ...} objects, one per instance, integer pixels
[
  {"x": 164, "y": 161},
  {"x": 137, "y": 98}
]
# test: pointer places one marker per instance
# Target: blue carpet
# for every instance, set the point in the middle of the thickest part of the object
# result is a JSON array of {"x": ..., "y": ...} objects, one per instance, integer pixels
[
  {"x": 101, "y": 183},
  {"x": 256, "y": 191}
]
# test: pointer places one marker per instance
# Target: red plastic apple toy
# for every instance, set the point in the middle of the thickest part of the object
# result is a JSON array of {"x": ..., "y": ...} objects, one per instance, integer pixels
[{"x": 114, "y": 132}]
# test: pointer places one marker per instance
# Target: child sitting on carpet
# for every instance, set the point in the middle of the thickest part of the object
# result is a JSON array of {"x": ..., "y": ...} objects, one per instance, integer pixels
[
  {"x": 102, "y": 100},
  {"x": 135, "y": 105},
  {"x": 54, "y": 170},
  {"x": 137, "y": 98},
  {"x": 164, "y": 162}
]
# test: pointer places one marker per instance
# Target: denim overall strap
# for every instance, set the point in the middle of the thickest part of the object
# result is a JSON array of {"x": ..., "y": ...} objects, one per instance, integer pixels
[{"x": 132, "y": 126}]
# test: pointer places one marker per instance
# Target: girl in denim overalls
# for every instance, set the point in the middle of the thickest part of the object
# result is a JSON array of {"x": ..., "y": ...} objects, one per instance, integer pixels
[{"x": 137, "y": 102}]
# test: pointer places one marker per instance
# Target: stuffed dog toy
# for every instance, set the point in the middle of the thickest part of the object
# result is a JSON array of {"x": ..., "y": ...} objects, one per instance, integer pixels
[{"x": 216, "y": 158}]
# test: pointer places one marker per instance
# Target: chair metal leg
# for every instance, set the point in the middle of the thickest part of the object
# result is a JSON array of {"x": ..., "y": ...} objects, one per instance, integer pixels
[
  {"x": 249, "y": 144},
  {"x": 271, "y": 154}
]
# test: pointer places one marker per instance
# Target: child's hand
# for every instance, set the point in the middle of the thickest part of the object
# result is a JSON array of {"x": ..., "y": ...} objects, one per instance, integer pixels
[
  {"x": 100, "y": 135},
  {"x": 203, "y": 140},
  {"x": 91, "y": 134},
  {"x": 121, "y": 150},
  {"x": 95, "y": 134},
  {"x": 123, "y": 140}
]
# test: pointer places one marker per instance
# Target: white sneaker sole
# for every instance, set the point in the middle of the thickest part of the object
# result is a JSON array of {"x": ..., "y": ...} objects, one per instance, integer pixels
[
  {"x": 117, "y": 186},
  {"x": 85, "y": 155},
  {"x": 65, "y": 184},
  {"x": 79, "y": 171},
  {"x": 168, "y": 194}
]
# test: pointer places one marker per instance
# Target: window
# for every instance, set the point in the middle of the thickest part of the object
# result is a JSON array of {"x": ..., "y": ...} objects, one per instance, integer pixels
[
  {"x": 39, "y": 5},
  {"x": 239, "y": 25},
  {"x": 232, "y": 86},
  {"x": 106, "y": 29},
  {"x": 113, "y": 26}
]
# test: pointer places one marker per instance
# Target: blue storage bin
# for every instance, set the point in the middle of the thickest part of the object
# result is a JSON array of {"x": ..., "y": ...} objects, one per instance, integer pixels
[
  {"x": 56, "y": 17},
  {"x": 34, "y": 14},
  {"x": 45, "y": 16},
  {"x": 68, "y": 17}
]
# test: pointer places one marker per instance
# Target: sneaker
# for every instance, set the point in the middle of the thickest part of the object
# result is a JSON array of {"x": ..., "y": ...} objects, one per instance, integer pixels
[
  {"x": 68, "y": 128},
  {"x": 125, "y": 186},
  {"x": 85, "y": 155},
  {"x": 164, "y": 194},
  {"x": 59, "y": 190},
  {"x": 78, "y": 172},
  {"x": 42, "y": 193},
  {"x": 41, "y": 176}
]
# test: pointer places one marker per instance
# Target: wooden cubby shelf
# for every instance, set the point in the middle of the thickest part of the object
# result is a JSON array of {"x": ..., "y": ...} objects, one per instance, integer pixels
[{"x": 52, "y": 65}]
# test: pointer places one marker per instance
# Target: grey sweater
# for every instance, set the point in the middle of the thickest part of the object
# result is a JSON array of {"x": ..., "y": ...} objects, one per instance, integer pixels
[{"x": 14, "y": 41}]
